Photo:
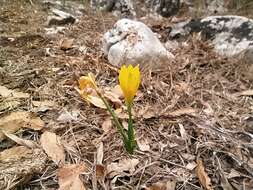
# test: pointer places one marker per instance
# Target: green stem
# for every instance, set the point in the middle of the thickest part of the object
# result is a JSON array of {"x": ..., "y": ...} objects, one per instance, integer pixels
[
  {"x": 130, "y": 132},
  {"x": 115, "y": 119}
]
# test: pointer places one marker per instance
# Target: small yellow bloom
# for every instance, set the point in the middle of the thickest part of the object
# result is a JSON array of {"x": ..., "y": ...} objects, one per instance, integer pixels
[
  {"x": 129, "y": 79},
  {"x": 87, "y": 82},
  {"x": 89, "y": 90}
]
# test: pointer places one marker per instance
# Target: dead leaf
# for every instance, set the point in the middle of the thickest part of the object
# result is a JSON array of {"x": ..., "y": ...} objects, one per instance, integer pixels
[
  {"x": 245, "y": 93},
  {"x": 190, "y": 166},
  {"x": 117, "y": 90},
  {"x": 124, "y": 165},
  {"x": 19, "y": 164},
  {"x": 225, "y": 183},
  {"x": 125, "y": 124},
  {"x": 100, "y": 153},
  {"x": 100, "y": 173},
  {"x": 143, "y": 144},
  {"x": 188, "y": 157},
  {"x": 203, "y": 177},
  {"x": 96, "y": 101},
  {"x": 5, "y": 92},
  {"x": 69, "y": 177},
  {"x": 169, "y": 185},
  {"x": 14, "y": 153},
  {"x": 107, "y": 125},
  {"x": 44, "y": 105},
  {"x": 183, "y": 132},
  {"x": 52, "y": 145},
  {"x": 121, "y": 114},
  {"x": 67, "y": 116},
  {"x": 182, "y": 111},
  {"x": 233, "y": 173},
  {"x": 9, "y": 104},
  {"x": 16, "y": 120},
  {"x": 183, "y": 87},
  {"x": 147, "y": 112},
  {"x": 66, "y": 44},
  {"x": 114, "y": 98},
  {"x": 23, "y": 142}
]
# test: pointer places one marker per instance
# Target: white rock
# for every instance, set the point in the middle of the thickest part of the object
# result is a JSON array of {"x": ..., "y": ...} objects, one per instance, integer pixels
[
  {"x": 230, "y": 35},
  {"x": 132, "y": 42}
]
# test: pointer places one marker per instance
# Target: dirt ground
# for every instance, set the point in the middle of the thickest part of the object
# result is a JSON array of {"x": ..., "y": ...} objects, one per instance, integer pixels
[{"x": 194, "y": 115}]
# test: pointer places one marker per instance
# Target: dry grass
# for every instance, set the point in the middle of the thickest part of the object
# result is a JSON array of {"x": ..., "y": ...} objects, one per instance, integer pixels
[{"x": 200, "y": 85}]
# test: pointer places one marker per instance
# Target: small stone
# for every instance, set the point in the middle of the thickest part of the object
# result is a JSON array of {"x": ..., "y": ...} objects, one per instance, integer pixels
[{"x": 60, "y": 18}]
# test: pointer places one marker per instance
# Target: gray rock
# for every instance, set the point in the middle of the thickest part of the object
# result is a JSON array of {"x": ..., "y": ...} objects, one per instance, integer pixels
[
  {"x": 248, "y": 56},
  {"x": 74, "y": 7},
  {"x": 132, "y": 42},
  {"x": 165, "y": 8},
  {"x": 206, "y": 7},
  {"x": 119, "y": 7},
  {"x": 230, "y": 35},
  {"x": 60, "y": 18}
]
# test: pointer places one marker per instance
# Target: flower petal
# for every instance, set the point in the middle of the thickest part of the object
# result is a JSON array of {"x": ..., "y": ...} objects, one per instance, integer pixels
[{"x": 129, "y": 78}]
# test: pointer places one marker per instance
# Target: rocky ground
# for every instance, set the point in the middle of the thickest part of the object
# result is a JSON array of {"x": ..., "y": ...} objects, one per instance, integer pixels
[{"x": 193, "y": 118}]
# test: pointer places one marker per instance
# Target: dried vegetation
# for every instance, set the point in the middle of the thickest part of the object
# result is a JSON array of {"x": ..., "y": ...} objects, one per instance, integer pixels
[{"x": 193, "y": 119}]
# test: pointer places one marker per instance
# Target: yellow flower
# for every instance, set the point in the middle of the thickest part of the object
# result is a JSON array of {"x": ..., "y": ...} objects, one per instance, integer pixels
[
  {"x": 129, "y": 79},
  {"x": 89, "y": 90},
  {"x": 87, "y": 82}
]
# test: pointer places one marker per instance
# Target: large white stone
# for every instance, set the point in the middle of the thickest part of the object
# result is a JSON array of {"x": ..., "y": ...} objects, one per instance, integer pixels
[
  {"x": 230, "y": 35},
  {"x": 132, "y": 42}
]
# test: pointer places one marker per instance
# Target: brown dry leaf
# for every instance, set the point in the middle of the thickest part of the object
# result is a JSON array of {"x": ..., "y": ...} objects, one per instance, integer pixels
[
  {"x": 66, "y": 44},
  {"x": 245, "y": 93},
  {"x": 19, "y": 164},
  {"x": 183, "y": 132},
  {"x": 96, "y": 101},
  {"x": 233, "y": 173},
  {"x": 114, "y": 98},
  {"x": 190, "y": 166},
  {"x": 92, "y": 97},
  {"x": 14, "y": 153},
  {"x": 121, "y": 114},
  {"x": 16, "y": 120},
  {"x": 69, "y": 177},
  {"x": 202, "y": 175},
  {"x": 146, "y": 112},
  {"x": 100, "y": 173},
  {"x": 169, "y": 185},
  {"x": 5, "y": 92},
  {"x": 117, "y": 90},
  {"x": 52, "y": 145},
  {"x": 124, "y": 165},
  {"x": 225, "y": 183},
  {"x": 9, "y": 104},
  {"x": 100, "y": 168},
  {"x": 23, "y": 142},
  {"x": 125, "y": 124},
  {"x": 143, "y": 144},
  {"x": 44, "y": 105},
  {"x": 100, "y": 153},
  {"x": 182, "y": 111},
  {"x": 183, "y": 87},
  {"x": 107, "y": 125}
]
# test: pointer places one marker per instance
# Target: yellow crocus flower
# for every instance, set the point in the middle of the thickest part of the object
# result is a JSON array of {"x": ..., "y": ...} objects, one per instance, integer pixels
[
  {"x": 89, "y": 90},
  {"x": 129, "y": 79},
  {"x": 87, "y": 82}
]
